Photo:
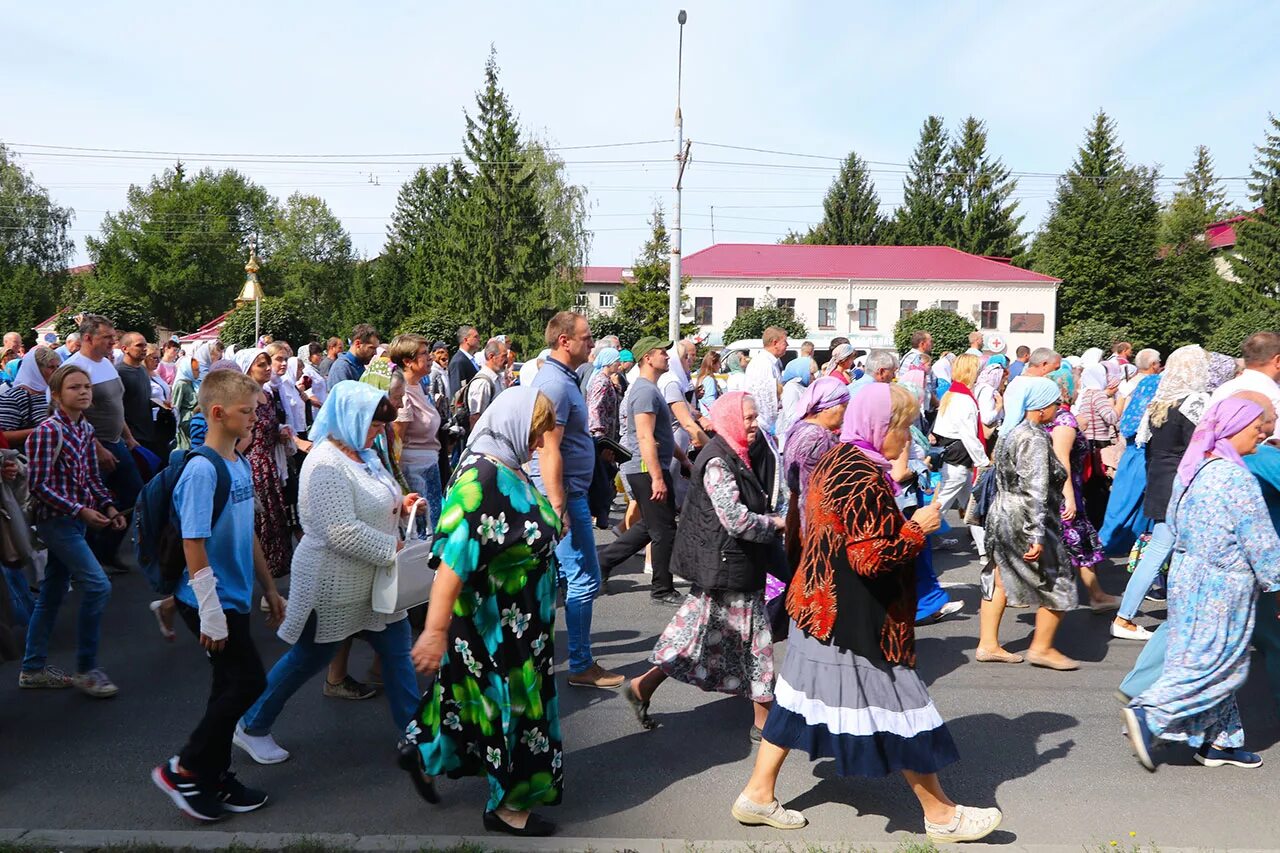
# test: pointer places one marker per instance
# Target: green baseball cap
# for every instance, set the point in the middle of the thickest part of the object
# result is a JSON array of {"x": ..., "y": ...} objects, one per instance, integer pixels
[{"x": 646, "y": 345}]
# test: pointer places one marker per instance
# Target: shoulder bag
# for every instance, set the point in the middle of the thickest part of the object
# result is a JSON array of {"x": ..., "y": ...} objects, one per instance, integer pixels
[{"x": 406, "y": 582}]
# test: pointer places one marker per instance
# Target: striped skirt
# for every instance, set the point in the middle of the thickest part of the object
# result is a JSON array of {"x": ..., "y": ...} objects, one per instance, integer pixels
[{"x": 873, "y": 718}]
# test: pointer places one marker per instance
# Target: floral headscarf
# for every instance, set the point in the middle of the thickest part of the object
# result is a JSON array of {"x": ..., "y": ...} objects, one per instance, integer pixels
[{"x": 1185, "y": 373}]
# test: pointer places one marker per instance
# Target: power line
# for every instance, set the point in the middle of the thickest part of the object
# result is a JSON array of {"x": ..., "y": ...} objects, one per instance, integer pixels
[{"x": 16, "y": 145}]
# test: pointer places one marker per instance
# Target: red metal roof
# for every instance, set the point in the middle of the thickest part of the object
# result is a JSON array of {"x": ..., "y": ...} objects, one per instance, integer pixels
[
  {"x": 209, "y": 331},
  {"x": 83, "y": 269},
  {"x": 602, "y": 275},
  {"x": 49, "y": 321},
  {"x": 871, "y": 263},
  {"x": 1222, "y": 235}
]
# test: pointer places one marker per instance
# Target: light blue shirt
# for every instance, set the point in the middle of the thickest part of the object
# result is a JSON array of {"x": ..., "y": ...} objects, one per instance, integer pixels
[{"x": 230, "y": 543}]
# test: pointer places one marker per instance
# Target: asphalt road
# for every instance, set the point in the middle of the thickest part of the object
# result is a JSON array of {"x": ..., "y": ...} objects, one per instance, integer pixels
[{"x": 1044, "y": 746}]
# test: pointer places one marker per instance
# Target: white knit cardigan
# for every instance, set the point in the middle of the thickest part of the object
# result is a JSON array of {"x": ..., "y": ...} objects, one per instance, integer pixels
[{"x": 349, "y": 531}]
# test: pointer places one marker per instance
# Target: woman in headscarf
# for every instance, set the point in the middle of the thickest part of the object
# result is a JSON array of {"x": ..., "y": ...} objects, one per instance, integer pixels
[
  {"x": 719, "y": 640},
  {"x": 848, "y": 686},
  {"x": 603, "y": 399},
  {"x": 819, "y": 414},
  {"x": 311, "y": 383},
  {"x": 1125, "y": 520},
  {"x": 736, "y": 364},
  {"x": 840, "y": 364},
  {"x": 190, "y": 371},
  {"x": 490, "y": 628},
  {"x": 350, "y": 520},
  {"x": 987, "y": 392},
  {"x": 1227, "y": 550},
  {"x": 626, "y": 361},
  {"x": 24, "y": 405},
  {"x": 709, "y": 389},
  {"x": 1164, "y": 432},
  {"x": 1027, "y": 564},
  {"x": 271, "y": 521},
  {"x": 1097, "y": 414},
  {"x": 795, "y": 379},
  {"x": 1078, "y": 533}
]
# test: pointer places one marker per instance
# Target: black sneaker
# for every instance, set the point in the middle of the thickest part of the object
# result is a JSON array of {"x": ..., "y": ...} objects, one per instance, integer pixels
[
  {"x": 671, "y": 599},
  {"x": 235, "y": 797},
  {"x": 199, "y": 801}
]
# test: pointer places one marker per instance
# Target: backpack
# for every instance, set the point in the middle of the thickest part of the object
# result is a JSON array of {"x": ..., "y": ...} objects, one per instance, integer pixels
[
  {"x": 157, "y": 529},
  {"x": 462, "y": 405}
]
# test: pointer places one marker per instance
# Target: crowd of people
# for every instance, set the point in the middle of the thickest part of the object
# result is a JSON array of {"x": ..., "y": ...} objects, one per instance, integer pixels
[{"x": 799, "y": 500}]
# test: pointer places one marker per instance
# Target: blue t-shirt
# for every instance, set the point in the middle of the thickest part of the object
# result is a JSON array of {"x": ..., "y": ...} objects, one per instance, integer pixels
[
  {"x": 346, "y": 367},
  {"x": 1016, "y": 368},
  {"x": 230, "y": 543},
  {"x": 577, "y": 448},
  {"x": 1265, "y": 465}
]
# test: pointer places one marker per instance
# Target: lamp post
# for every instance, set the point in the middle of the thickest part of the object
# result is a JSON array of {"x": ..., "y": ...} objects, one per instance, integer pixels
[{"x": 673, "y": 305}]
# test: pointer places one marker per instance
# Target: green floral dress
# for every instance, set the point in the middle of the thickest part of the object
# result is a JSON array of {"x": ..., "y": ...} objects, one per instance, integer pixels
[{"x": 493, "y": 710}]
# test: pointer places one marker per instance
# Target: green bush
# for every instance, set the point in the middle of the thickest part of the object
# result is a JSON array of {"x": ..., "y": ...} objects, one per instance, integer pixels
[
  {"x": 627, "y": 330},
  {"x": 1083, "y": 334},
  {"x": 1230, "y": 333},
  {"x": 751, "y": 324},
  {"x": 283, "y": 318},
  {"x": 950, "y": 330},
  {"x": 127, "y": 313}
]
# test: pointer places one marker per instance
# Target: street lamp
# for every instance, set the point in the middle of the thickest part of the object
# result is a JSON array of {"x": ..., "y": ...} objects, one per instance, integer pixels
[{"x": 673, "y": 304}]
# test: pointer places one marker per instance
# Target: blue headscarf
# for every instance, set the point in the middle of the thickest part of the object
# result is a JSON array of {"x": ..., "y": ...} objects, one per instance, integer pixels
[
  {"x": 799, "y": 368},
  {"x": 998, "y": 359},
  {"x": 346, "y": 415},
  {"x": 1026, "y": 394},
  {"x": 1066, "y": 377},
  {"x": 606, "y": 357}
]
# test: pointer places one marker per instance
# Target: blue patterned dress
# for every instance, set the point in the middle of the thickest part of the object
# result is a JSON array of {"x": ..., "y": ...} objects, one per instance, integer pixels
[{"x": 1226, "y": 550}]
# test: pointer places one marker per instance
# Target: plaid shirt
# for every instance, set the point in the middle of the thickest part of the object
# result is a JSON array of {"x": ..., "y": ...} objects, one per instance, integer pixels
[{"x": 65, "y": 483}]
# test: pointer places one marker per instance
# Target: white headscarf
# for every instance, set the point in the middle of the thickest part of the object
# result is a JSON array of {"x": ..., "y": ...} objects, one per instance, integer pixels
[
  {"x": 295, "y": 408},
  {"x": 246, "y": 357},
  {"x": 29, "y": 375},
  {"x": 1093, "y": 377}
]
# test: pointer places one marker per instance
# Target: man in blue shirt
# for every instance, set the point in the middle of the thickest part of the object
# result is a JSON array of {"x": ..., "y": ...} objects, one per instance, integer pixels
[
  {"x": 1023, "y": 355},
  {"x": 562, "y": 470},
  {"x": 351, "y": 364}
]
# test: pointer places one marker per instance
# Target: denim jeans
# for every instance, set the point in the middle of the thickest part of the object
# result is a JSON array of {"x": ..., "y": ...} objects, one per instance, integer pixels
[
  {"x": 307, "y": 657},
  {"x": 125, "y": 484},
  {"x": 424, "y": 478},
  {"x": 70, "y": 559},
  {"x": 580, "y": 569},
  {"x": 1153, "y": 557}
]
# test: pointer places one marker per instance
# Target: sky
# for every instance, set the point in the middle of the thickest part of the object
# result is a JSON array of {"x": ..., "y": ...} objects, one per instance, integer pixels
[{"x": 386, "y": 85}]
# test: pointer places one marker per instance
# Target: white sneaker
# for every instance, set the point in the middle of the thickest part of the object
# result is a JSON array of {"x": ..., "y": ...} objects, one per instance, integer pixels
[
  {"x": 969, "y": 824},
  {"x": 1137, "y": 632},
  {"x": 262, "y": 749}
]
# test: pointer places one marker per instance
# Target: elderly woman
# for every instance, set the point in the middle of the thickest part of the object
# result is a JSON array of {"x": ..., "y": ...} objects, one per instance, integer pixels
[
  {"x": 189, "y": 372},
  {"x": 988, "y": 394},
  {"x": 1227, "y": 550},
  {"x": 490, "y": 629},
  {"x": 736, "y": 364},
  {"x": 841, "y": 363},
  {"x": 417, "y": 424},
  {"x": 719, "y": 640},
  {"x": 271, "y": 522},
  {"x": 603, "y": 400},
  {"x": 795, "y": 379},
  {"x": 848, "y": 686},
  {"x": 24, "y": 405},
  {"x": 1028, "y": 564},
  {"x": 350, "y": 511}
]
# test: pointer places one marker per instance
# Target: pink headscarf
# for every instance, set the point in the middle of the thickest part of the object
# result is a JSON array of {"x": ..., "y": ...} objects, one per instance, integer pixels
[
  {"x": 866, "y": 423},
  {"x": 1223, "y": 420},
  {"x": 726, "y": 419}
]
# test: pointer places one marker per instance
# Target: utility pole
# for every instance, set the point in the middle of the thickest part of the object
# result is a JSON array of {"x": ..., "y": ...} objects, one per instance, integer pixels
[
  {"x": 682, "y": 150},
  {"x": 713, "y": 224}
]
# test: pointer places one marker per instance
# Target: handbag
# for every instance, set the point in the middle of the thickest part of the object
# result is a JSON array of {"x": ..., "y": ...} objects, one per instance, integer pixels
[{"x": 406, "y": 582}]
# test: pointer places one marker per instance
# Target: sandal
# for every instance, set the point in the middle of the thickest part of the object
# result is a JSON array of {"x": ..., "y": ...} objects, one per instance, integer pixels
[
  {"x": 1000, "y": 656},
  {"x": 1065, "y": 664},
  {"x": 640, "y": 706}
]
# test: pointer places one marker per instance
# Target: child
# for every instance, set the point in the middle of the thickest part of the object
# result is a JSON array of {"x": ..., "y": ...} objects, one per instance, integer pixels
[
  {"x": 68, "y": 497},
  {"x": 222, "y": 559}
]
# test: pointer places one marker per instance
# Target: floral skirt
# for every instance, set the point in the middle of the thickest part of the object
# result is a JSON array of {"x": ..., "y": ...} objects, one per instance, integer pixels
[
  {"x": 720, "y": 642},
  {"x": 1083, "y": 545}
]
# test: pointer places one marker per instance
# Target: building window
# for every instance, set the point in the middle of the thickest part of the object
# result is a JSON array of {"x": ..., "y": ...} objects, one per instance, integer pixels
[
  {"x": 906, "y": 307},
  {"x": 866, "y": 313},
  {"x": 745, "y": 303},
  {"x": 606, "y": 300},
  {"x": 702, "y": 310},
  {"x": 989, "y": 316},
  {"x": 580, "y": 302},
  {"x": 826, "y": 313},
  {"x": 787, "y": 305},
  {"x": 950, "y": 305}
]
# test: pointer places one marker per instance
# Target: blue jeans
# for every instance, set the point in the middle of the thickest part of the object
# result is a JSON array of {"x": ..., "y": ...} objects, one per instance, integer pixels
[
  {"x": 125, "y": 484},
  {"x": 1153, "y": 557},
  {"x": 424, "y": 478},
  {"x": 70, "y": 559},
  {"x": 307, "y": 657},
  {"x": 580, "y": 570}
]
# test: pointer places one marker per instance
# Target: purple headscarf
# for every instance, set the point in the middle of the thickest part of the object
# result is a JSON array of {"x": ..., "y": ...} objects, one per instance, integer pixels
[
  {"x": 1223, "y": 420},
  {"x": 866, "y": 423},
  {"x": 825, "y": 392}
]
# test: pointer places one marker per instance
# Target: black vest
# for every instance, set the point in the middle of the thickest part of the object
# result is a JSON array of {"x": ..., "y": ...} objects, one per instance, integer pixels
[{"x": 705, "y": 554}]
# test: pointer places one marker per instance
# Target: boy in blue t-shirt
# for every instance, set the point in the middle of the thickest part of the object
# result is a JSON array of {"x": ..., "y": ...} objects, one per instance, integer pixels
[{"x": 214, "y": 600}]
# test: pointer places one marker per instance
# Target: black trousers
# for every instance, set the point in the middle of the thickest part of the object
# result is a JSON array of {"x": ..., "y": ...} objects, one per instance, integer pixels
[
  {"x": 657, "y": 525},
  {"x": 238, "y": 681}
]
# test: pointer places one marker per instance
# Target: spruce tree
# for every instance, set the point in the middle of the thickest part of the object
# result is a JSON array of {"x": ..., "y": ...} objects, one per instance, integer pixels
[
  {"x": 425, "y": 237},
  {"x": 979, "y": 216},
  {"x": 919, "y": 221},
  {"x": 643, "y": 299},
  {"x": 1100, "y": 237},
  {"x": 1258, "y": 240},
  {"x": 851, "y": 209}
]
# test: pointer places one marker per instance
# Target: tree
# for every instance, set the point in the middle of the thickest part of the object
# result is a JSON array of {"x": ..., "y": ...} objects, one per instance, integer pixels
[
  {"x": 312, "y": 257},
  {"x": 35, "y": 248},
  {"x": 950, "y": 330},
  {"x": 1258, "y": 237},
  {"x": 979, "y": 217},
  {"x": 1083, "y": 334},
  {"x": 1100, "y": 238},
  {"x": 434, "y": 326},
  {"x": 1231, "y": 332},
  {"x": 919, "y": 220},
  {"x": 426, "y": 238},
  {"x": 377, "y": 295},
  {"x": 751, "y": 324},
  {"x": 627, "y": 330},
  {"x": 644, "y": 300},
  {"x": 851, "y": 209},
  {"x": 564, "y": 208},
  {"x": 125, "y": 313},
  {"x": 285, "y": 318},
  {"x": 180, "y": 245}
]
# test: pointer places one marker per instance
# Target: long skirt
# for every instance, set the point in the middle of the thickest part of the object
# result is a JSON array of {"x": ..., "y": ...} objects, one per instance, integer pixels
[
  {"x": 720, "y": 642},
  {"x": 1125, "y": 519},
  {"x": 872, "y": 717}
]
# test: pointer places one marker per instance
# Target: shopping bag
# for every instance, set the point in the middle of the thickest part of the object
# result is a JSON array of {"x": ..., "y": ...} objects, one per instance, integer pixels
[{"x": 406, "y": 582}]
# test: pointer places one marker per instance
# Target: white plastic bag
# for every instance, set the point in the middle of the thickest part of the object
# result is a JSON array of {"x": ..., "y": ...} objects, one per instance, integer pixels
[{"x": 407, "y": 581}]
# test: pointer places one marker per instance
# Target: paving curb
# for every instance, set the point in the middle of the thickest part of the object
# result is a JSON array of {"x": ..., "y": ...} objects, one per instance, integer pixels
[{"x": 97, "y": 839}]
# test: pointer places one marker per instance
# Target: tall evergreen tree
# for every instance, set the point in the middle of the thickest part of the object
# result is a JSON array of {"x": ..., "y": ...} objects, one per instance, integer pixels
[
  {"x": 851, "y": 209},
  {"x": 1100, "y": 237},
  {"x": 1258, "y": 240},
  {"x": 425, "y": 238},
  {"x": 980, "y": 218},
  {"x": 919, "y": 221}
]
